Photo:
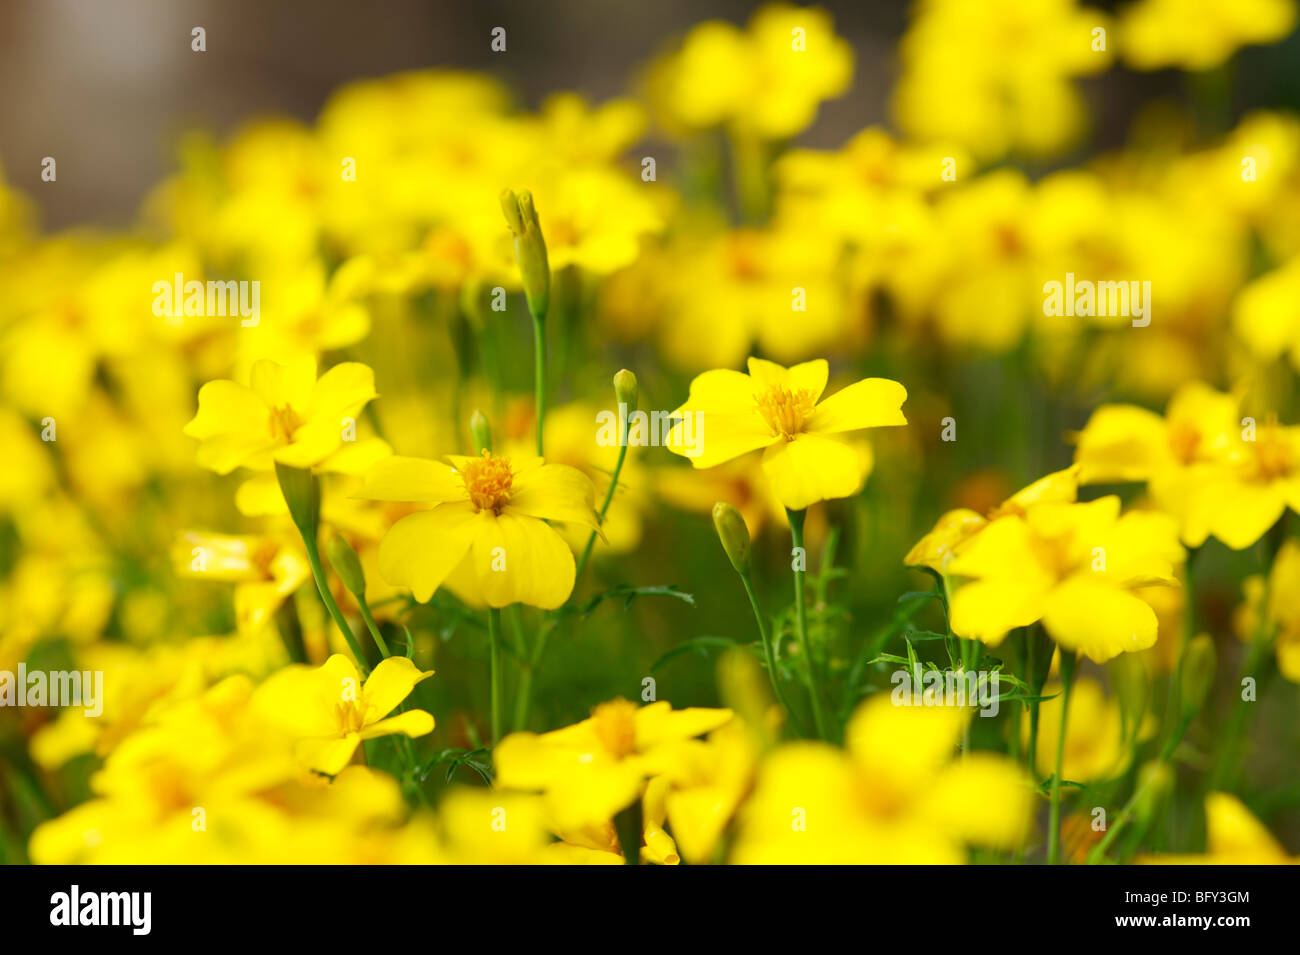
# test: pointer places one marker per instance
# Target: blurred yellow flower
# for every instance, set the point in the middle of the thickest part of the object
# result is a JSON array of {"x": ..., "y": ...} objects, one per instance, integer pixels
[
  {"x": 1199, "y": 34},
  {"x": 1095, "y": 747},
  {"x": 285, "y": 415},
  {"x": 329, "y": 711},
  {"x": 896, "y": 796},
  {"x": 1271, "y": 603},
  {"x": 1233, "y": 836},
  {"x": 1072, "y": 566}
]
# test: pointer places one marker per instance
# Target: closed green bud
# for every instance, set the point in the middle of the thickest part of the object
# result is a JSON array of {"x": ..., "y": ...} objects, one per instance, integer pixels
[
  {"x": 480, "y": 432},
  {"x": 625, "y": 389},
  {"x": 1197, "y": 674},
  {"x": 346, "y": 564},
  {"x": 734, "y": 535},
  {"x": 298, "y": 485},
  {"x": 1155, "y": 780},
  {"x": 530, "y": 249}
]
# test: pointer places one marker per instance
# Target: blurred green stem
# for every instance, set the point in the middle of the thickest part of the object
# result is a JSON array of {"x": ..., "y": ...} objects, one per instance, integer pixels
[
  {"x": 800, "y": 560},
  {"x": 1054, "y": 820},
  {"x": 494, "y": 664}
]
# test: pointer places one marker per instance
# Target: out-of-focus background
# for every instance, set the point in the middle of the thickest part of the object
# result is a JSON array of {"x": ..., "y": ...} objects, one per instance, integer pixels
[{"x": 105, "y": 86}]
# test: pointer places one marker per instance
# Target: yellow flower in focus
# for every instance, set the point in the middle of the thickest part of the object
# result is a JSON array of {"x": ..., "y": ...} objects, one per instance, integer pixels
[
  {"x": 766, "y": 81},
  {"x": 489, "y": 519},
  {"x": 592, "y": 769},
  {"x": 329, "y": 711},
  {"x": 285, "y": 415},
  {"x": 1233, "y": 836},
  {"x": 896, "y": 796},
  {"x": 780, "y": 410},
  {"x": 1072, "y": 566},
  {"x": 1199, "y": 34}
]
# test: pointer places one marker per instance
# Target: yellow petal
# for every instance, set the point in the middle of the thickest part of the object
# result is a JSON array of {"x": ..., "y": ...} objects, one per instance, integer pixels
[
  {"x": 420, "y": 550},
  {"x": 412, "y": 479},
  {"x": 411, "y": 723},
  {"x": 388, "y": 684},
  {"x": 1097, "y": 618},
  {"x": 554, "y": 492},
  {"x": 810, "y": 468},
  {"x": 521, "y": 560},
  {"x": 871, "y": 403}
]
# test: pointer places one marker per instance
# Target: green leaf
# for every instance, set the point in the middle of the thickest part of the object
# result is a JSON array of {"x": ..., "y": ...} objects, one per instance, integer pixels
[{"x": 701, "y": 645}]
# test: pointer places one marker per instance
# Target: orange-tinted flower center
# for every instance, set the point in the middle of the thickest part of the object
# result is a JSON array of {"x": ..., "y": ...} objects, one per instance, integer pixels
[
  {"x": 785, "y": 410},
  {"x": 1184, "y": 439},
  {"x": 284, "y": 422},
  {"x": 351, "y": 717},
  {"x": 614, "y": 724},
  {"x": 487, "y": 481}
]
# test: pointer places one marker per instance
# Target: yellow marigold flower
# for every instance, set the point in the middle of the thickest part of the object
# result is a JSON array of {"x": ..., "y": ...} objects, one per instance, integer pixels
[
  {"x": 996, "y": 76},
  {"x": 935, "y": 549},
  {"x": 599, "y": 844},
  {"x": 285, "y": 415},
  {"x": 780, "y": 410},
  {"x": 766, "y": 81},
  {"x": 592, "y": 769},
  {"x": 1196, "y": 464},
  {"x": 1199, "y": 34},
  {"x": 1265, "y": 317},
  {"x": 329, "y": 711},
  {"x": 1095, "y": 746},
  {"x": 1072, "y": 566},
  {"x": 489, "y": 518},
  {"x": 265, "y": 570},
  {"x": 895, "y": 796},
  {"x": 1279, "y": 608},
  {"x": 1233, "y": 836}
]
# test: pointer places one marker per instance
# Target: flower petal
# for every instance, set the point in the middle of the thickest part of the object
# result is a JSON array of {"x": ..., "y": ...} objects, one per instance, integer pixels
[
  {"x": 871, "y": 403},
  {"x": 521, "y": 560},
  {"x": 554, "y": 492},
  {"x": 411, "y": 723},
  {"x": 420, "y": 550},
  {"x": 412, "y": 479},
  {"x": 388, "y": 684},
  {"x": 1097, "y": 618},
  {"x": 811, "y": 468}
]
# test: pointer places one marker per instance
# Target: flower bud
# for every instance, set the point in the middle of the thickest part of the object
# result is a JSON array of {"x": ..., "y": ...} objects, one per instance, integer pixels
[
  {"x": 734, "y": 535},
  {"x": 346, "y": 564},
  {"x": 1128, "y": 674},
  {"x": 480, "y": 432},
  {"x": 1197, "y": 674},
  {"x": 530, "y": 249},
  {"x": 301, "y": 494},
  {"x": 1155, "y": 780},
  {"x": 625, "y": 389}
]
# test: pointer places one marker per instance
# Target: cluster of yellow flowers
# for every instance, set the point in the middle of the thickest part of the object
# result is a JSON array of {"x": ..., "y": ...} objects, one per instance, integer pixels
[{"x": 267, "y": 639}]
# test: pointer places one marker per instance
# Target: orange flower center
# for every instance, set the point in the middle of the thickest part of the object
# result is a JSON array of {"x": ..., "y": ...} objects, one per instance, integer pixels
[
  {"x": 487, "y": 481},
  {"x": 351, "y": 717},
  {"x": 785, "y": 410},
  {"x": 284, "y": 422},
  {"x": 1184, "y": 439},
  {"x": 614, "y": 724},
  {"x": 1273, "y": 458}
]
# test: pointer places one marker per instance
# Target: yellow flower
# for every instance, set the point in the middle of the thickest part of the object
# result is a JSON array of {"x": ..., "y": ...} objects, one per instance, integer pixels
[
  {"x": 935, "y": 549},
  {"x": 779, "y": 409},
  {"x": 265, "y": 570},
  {"x": 489, "y": 519},
  {"x": 896, "y": 796},
  {"x": 1095, "y": 747},
  {"x": 1265, "y": 317},
  {"x": 592, "y": 769},
  {"x": 1199, "y": 34},
  {"x": 1072, "y": 566},
  {"x": 284, "y": 416},
  {"x": 995, "y": 76},
  {"x": 1215, "y": 474},
  {"x": 710, "y": 778},
  {"x": 329, "y": 711},
  {"x": 1275, "y": 601},
  {"x": 1233, "y": 836},
  {"x": 766, "y": 81}
]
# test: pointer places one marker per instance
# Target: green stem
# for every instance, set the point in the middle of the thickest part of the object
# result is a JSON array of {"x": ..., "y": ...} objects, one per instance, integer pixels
[
  {"x": 494, "y": 649},
  {"x": 1054, "y": 822},
  {"x": 373, "y": 627},
  {"x": 769, "y": 653},
  {"x": 801, "y": 622},
  {"x": 604, "y": 507},
  {"x": 318, "y": 571},
  {"x": 539, "y": 376}
]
